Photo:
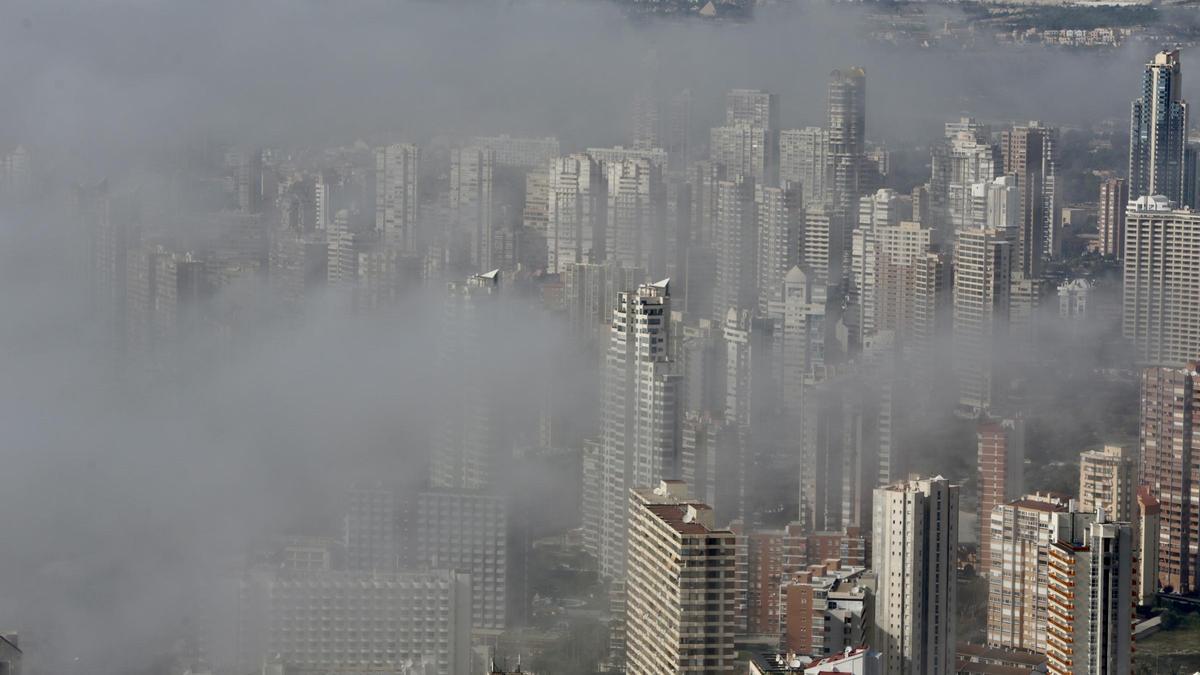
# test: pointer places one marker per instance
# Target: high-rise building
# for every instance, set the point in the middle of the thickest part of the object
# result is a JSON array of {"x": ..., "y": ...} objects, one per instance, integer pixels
[
  {"x": 680, "y": 588},
  {"x": 736, "y": 248},
  {"x": 957, "y": 163},
  {"x": 1001, "y": 203},
  {"x": 982, "y": 267},
  {"x": 1146, "y": 547},
  {"x": 472, "y": 205},
  {"x": 752, "y": 106},
  {"x": 470, "y": 437},
  {"x": 397, "y": 194},
  {"x": 468, "y": 531},
  {"x": 1017, "y": 575},
  {"x": 1107, "y": 480},
  {"x": 1029, "y": 154},
  {"x": 1089, "y": 629},
  {"x": 1114, "y": 197},
  {"x": 804, "y": 160},
  {"x": 1169, "y": 418},
  {"x": 577, "y": 212},
  {"x": 752, "y": 374},
  {"x": 914, "y": 556},
  {"x": 933, "y": 312},
  {"x": 827, "y": 244},
  {"x": 1158, "y": 131},
  {"x": 641, "y": 416},
  {"x": 745, "y": 150},
  {"x": 1001, "y": 474},
  {"x": 799, "y": 312},
  {"x": 883, "y": 278},
  {"x": 780, "y": 223},
  {"x": 636, "y": 228},
  {"x": 1162, "y": 282},
  {"x": 847, "y": 114}
]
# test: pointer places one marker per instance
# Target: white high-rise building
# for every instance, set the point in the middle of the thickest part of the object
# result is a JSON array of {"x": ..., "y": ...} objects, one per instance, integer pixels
[
  {"x": 521, "y": 153},
  {"x": 881, "y": 209},
  {"x": 397, "y": 194},
  {"x": 637, "y": 203},
  {"x": 745, "y": 150},
  {"x": 958, "y": 163},
  {"x": 799, "y": 311},
  {"x": 680, "y": 588},
  {"x": 1091, "y": 595},
  {"x": 1162, "y": 282},
  {"x": 997, "y": 203},
  {"x": 915, "y": 549},
  {"x": 982, "y": 283},
  {"x": 780, "y": 214},
  {"x": 577, "y": 212},
  {"x": 804, "y": 159},
  {"x": 1018, "y": 577},
  {"x": 883, "y": 277},
  {"x": 472, "y": 206},
  {"x": 1108, "y": 480},
  {"x": 736, "y": 248},
  {"x": 641, "y": 418}
]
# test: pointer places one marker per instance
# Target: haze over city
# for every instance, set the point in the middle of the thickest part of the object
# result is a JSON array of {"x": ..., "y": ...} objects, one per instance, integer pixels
[{"x": 406, "y": 337}]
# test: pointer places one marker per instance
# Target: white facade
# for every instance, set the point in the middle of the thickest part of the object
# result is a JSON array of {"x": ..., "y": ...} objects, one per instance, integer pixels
[
  {"x": 576, "y": 213},
  {"x": 915, "y": 548},
  {"x": 397, "y": 193},
  {"x": 1162, "y": 282}
]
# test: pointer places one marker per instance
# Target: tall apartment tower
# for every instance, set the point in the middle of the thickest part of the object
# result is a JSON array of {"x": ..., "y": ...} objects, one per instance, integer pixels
[
  {"x": 804, "y": 160},
  {"x": 827, "y": 244},
  {"x": 1091, "y": 595},
  {"x": 471, "y": 434},
  {"x": 1169, "y": 419},
  {"x": 371, "y": 528},
  {"x": 965, "y": 158},
  {"x": 637, "y": 203},
  {"x": 883, "y": 276},
  {"x": 1114, "y": 197},
  {"x": 736, "y": 248},
  {"x": 1158, "y": 131},
  {"x": 847, "y": 115},
  {"x": 932, "y": 311},
  {"x": 472, "y": 206},
  {"x": 1162, "y": 282},
  {"x": 680, "y": 588},
  {"x": 1017, "y": 575},
  {"x": 576, "y": 212},
  {"x": 1029, "y": 154},
  {"x": 914, "y": 556},
  {"x": 1107, "y": 480},
  {"x": 752, "y": 106},
  {"x": 641, "y": 418},
  {"x": 397, "y": 192},
  {"x": 746, "y": 150},
  {"x": 1001, "y": 474},
  {"x": 1146, "y": 574},
  {"x": 780, "y": 213},
  {"x": 982, "y": 268}
]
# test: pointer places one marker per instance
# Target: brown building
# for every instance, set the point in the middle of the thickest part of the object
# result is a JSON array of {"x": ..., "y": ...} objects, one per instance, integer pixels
[
  {"x": 1170, "y": 413},
  {"x": 1001, "y": 474},
  {"x": 826, "y": 608},
  {"x": 1114, "y": 196}
]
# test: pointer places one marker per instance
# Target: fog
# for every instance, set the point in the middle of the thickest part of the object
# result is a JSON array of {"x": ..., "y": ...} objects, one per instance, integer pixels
[{"x": 120, "y": 491}]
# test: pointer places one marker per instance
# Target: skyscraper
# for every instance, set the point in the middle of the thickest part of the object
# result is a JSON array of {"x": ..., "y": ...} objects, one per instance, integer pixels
[
  {"x": 1169, "y": 418},
  {"x": 847, "y": 115},
  {"x": 1114, "y": 197},
  {"x": 1162, "y": 282},
  {"x": 1018, "y": 577},
  {"x": 780, "y": 214},
  {"x": 577, "y": 212},
  {"x": 1091, "y": 595},
  {"x": 915, "y": 548},
  {"x": 636, "y": 228},
  {"x": 745, "y": 150},
  {"x": 752, "y": 106},
  {"x": 471, "y": 202},
  {"x": 736, "y": 247},
  {"x": 397, "y": 169},
  {"x": 641, "y": 417},
  {"x": 1001, "y": 474},
  {"x": 1029, "y": 154},
  {"x": 962, "y": 160},
  {"x": 1158, "y": 131},
  {"x": 680, "y": 606},
  {"x": 982, "y": 281},
  {"x": 804, "y": 159},
  {"x": 1107, "y": 480}
]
